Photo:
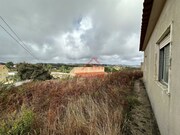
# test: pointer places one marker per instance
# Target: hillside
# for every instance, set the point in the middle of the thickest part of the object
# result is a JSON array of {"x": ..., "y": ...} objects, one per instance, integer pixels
[{"x": 70, "y": 107}]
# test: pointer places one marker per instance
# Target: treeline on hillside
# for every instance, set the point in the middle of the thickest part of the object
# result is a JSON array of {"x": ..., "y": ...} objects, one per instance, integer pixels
[{"x": 41, "y": 71}]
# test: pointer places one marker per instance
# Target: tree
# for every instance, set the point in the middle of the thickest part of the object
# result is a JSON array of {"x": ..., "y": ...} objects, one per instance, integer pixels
[
  {"x": 32, "y": 71},
  {"x": 48, "y": 66},
  {"x": 9, "y": 65},
  {"x": 110, "y": 69}
]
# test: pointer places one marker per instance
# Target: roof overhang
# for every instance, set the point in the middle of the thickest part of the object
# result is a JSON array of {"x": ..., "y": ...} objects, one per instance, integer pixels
[{"x": 151, "y": 12}]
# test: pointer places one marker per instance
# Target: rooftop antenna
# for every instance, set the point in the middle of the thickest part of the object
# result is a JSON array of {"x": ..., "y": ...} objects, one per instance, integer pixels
[
  {"x": 91, "y": 60},
  {"x": 95, "y": 59}
]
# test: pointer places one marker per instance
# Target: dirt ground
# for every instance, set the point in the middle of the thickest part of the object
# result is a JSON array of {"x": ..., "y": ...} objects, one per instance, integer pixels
[{"x": 140, "y": 119}]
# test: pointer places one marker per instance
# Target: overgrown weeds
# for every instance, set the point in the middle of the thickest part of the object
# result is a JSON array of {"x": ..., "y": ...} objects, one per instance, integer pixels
[
  {"x": 71, "y": 107},
  {"x": 17, "y": 123}
]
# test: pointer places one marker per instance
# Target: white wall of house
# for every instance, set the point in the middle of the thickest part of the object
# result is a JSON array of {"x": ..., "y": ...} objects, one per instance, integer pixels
[
  {"x": 165, "y": 100},
  {"x": 3, "y": 73}
]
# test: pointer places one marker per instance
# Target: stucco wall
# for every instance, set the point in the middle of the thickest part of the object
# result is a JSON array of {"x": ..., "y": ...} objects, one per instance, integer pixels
[
  {"x": 166, "y": 106},
  {"x": 3, "y": 73},
  {"x": 87, "y": 69}
]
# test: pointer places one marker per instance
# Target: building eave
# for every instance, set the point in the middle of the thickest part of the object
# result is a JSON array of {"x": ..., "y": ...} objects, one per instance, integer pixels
[{"x": 151, "y": 12}]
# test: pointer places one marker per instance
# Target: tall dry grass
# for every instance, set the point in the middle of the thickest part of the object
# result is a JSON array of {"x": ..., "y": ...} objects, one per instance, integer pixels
[
  {"x": 75, "y": 107},
  {"x": 86, "y": 116}
]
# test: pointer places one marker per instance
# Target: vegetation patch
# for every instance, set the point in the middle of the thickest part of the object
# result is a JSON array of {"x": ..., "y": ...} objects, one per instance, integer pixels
[
  {"x": 33, "y": 71},
  {"x": 17, "y": 123},
  {"x": 93, "y": 106}
]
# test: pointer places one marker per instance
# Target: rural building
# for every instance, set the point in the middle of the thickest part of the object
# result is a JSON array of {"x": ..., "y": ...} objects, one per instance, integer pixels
[
  {"x": 13, "y": 73},
  {"x": 95, "y": 71},
  {"x": 3, "y": 73},
  {"x": 160, "y": 41},
  {"x": 59, "y": 75}
]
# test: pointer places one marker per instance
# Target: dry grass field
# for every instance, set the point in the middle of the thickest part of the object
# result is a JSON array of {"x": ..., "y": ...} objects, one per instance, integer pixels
[{"x": 93, "y": 106}]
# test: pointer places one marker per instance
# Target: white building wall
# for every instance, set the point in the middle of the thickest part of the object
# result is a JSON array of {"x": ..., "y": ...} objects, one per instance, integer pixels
[{"x": 166, "y": 107}]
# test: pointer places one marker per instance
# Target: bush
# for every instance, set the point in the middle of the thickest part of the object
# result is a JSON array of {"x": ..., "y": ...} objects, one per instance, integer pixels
[
  {"x": 18, "y": 123},
  {"x": 9, "y": 65},
  {"x": 30, "y": 71}
]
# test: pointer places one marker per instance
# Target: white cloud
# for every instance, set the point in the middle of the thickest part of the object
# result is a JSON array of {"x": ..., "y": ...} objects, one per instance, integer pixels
[
  {"x": 68, "y": 31},
  {"x": 86, "y": 24}
]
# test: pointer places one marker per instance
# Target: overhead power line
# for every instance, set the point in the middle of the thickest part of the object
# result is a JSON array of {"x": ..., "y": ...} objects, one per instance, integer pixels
[
  {"x": 20, "y": 42},
  {"x": 17, "y": 41}
]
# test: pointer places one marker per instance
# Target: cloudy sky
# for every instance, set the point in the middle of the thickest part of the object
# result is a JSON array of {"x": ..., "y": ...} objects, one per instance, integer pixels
[{"x": 72, "y": 31}]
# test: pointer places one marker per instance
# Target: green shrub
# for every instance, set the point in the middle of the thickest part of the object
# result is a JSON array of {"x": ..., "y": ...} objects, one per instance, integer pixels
[
  {"x": 33, "y": 71},
  {"x": 17, "y": 124},
  {"x": 133, "y": 101}
]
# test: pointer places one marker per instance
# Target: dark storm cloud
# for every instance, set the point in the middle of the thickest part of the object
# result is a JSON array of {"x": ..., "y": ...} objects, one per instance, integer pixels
[{"x": 72, "y": 30}]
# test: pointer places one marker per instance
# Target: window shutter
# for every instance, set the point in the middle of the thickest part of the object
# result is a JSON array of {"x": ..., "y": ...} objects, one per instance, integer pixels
[{"x": 165, "y": 41}]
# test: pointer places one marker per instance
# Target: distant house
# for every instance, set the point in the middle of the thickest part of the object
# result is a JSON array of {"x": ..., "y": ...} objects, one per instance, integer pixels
[
  {"x": 95, "y": 71},
  {"x": 160, "y": 41},
  {"x": 13, "y": 73},
  {"x": 59, "y": 75},
  {"x": 3, "y": 73}
]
